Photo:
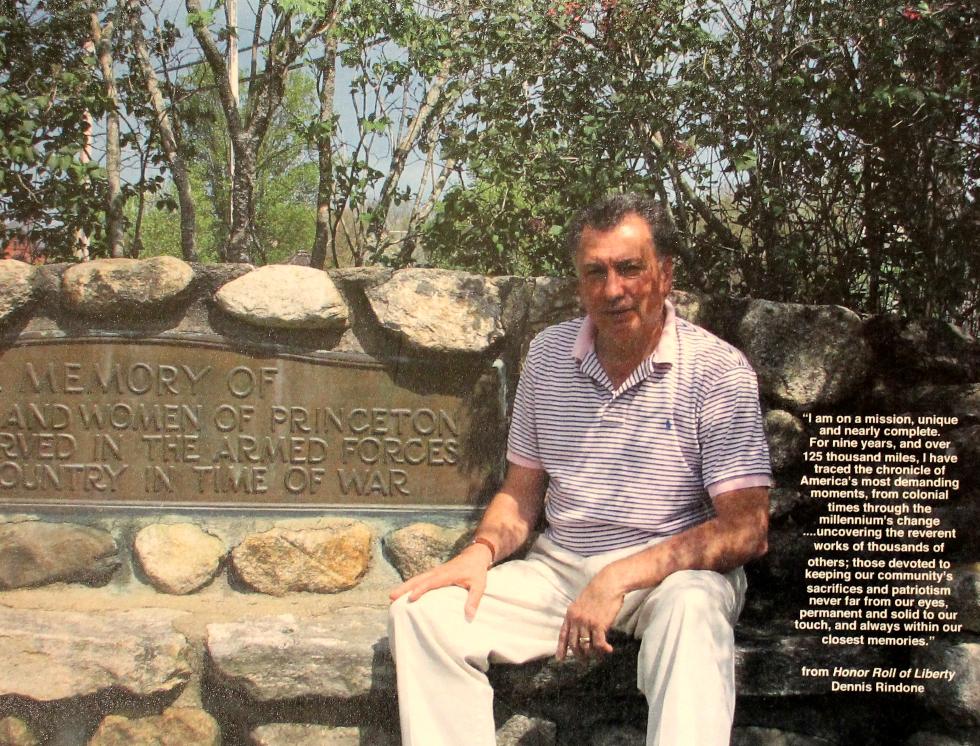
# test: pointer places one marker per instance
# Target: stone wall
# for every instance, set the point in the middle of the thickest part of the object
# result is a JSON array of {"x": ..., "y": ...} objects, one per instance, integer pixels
[{"x": 139, "y": 622}]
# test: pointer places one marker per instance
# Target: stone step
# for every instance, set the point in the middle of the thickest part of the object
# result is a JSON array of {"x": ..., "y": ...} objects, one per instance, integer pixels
[{"x": 48, "y": 656}]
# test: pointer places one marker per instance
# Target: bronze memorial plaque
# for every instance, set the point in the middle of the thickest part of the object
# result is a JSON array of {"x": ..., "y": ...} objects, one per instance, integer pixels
[{"x": 172, "y": 422}]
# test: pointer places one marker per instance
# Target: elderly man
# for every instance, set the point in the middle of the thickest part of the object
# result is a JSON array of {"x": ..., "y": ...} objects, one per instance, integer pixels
[{"x": 640, "y": 437}]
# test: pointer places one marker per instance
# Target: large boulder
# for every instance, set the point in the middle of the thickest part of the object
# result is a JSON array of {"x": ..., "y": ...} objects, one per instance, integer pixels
[
  {"x": 771, "y": 665},
  {"x": 923, "y": 350},
  {"x": 16, "y": 286},
  {"x": 106, "y": 287},
  {"x": 806, "y": 357},
  {"x": 342, "y": 655},
  {"x": 955, "y": 400},
  {"x": 35, "y": 553},
  {"x": 966, "y": 448},
  {"x": 136, "y": 652},
  {"x": 958, "y": 698},
  {"x": 439, "y": 310},
  {"x": 327, "y": 559},
  {"x": 280, "y": 296},
  {"x": 786, "y": 435},
  {"x": 178, "y": 558},
  {"x": 553, "y": 300},
  {"x": 965, "y": 600}
]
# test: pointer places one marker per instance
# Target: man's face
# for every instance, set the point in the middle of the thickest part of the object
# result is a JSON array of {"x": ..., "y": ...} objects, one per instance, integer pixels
[{"x": 622, "y": 283}]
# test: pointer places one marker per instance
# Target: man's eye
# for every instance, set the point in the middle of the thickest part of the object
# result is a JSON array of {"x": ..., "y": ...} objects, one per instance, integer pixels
[{"x": 630, "y": 270}]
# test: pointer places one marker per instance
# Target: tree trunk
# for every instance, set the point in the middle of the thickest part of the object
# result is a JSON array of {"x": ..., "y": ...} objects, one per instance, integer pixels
[
  {"x": 872, "y": 238},
  {"x": 241, "y": 237},
  {"x": 324, "y": 142},
  {"x": 231, "y": 24},
  {"x": 114, "y": 212},
  {"x": 168, "y": 138},
  {"x": 265, "y": 95}
]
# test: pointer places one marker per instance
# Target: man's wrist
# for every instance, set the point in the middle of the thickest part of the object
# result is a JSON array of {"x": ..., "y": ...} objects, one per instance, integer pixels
[{"x": 490, "y": 546}]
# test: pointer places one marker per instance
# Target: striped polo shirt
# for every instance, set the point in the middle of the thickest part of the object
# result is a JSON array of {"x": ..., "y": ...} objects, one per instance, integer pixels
[{"x": 641, "y": 461}]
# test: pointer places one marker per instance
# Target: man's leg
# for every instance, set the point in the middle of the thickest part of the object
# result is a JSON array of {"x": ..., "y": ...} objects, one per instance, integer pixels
[
  {"x": 686, "y": 665},
  {"x": 441, "y": 659}
]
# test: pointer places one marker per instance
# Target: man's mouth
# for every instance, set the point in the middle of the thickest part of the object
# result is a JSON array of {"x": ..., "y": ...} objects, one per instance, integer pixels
[{"x": 619, "y": 314}]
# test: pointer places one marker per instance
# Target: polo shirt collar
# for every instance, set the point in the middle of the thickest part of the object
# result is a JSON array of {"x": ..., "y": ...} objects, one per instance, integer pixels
[{"x": 664, "y": 354}]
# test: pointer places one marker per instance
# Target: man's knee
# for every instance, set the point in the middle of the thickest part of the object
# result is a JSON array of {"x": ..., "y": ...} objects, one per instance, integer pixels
[
  {"x": 427, "y": 616},
  {"x": 698, "y": 596}
]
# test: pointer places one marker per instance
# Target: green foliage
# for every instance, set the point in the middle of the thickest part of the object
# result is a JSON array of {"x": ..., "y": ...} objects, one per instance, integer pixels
[
  {"x": 810, "y": 151},
  {"x": 285, "y": 212},
  {"x": 573, "y": 109},
  {"x": 48, "y": 193},
  {"x": 863, "y": 127},
  {"x": 160, "y": 227},
  {"x": 286, "y": 176},
  {"x": 406, "y": 67},
  {"x": 494, "y": 228}
]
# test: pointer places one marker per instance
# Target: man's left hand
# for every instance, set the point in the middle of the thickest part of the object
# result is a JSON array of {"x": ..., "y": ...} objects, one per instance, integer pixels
[{"x": 587, "y": 620}]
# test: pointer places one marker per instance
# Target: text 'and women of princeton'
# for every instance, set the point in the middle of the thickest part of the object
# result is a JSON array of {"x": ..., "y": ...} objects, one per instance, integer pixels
[
  {"x": 877, "y": 575},
  {"x": 92, "y": 430}
]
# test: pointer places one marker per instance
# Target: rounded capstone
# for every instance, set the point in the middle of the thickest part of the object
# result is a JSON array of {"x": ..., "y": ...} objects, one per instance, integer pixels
[
  {"x": 439, "y": 310},
  {"x": 178, "y": 558},
  {"x": 322, "y": 560},
  {"x": 281, "y": 296},
  {"x": 421, "y": 546},
  {"x": 176, "y": 726},
  {"x": 806, "y": 357},
  {"x": 34, "y": 553},
  {"x": 16, "y": 286},
  {"x": 105, "y": 287}
]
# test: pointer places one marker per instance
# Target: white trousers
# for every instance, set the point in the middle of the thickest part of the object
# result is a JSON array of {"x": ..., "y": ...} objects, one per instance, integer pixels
[{"x": 685, "y": 666}]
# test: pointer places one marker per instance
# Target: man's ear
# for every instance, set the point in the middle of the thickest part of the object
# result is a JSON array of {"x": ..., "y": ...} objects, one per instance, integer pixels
[{"x": 667, "y": 274}]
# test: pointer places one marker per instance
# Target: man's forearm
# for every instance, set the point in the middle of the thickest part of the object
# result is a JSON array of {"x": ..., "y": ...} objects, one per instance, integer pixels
[
  {"x": 513, "y": 513},
  {"x": 506, "y": 524},
  {"x": 736, "y": 535}
]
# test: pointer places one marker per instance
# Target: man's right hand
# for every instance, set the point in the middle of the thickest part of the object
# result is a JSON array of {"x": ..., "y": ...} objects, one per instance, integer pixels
[{"x": 468, "y": 570}]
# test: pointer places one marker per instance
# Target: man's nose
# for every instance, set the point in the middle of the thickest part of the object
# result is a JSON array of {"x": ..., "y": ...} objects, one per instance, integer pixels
[{"x": 613, "y": 287}]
